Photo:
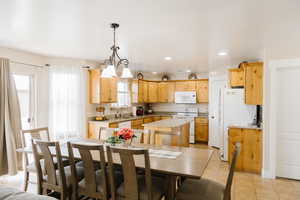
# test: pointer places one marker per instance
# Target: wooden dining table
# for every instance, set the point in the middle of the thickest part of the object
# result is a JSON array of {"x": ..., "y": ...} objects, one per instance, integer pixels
[{"x": 191, "y": 163}]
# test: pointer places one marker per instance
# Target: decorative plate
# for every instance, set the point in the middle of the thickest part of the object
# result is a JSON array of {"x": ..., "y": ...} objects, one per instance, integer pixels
[
  {"x": 140, "y": 76},
  {"x": 165, "y": 77}
]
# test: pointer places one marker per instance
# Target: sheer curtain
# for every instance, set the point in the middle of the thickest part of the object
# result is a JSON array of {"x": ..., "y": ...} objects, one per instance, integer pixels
[{"x": 67, "y": 102}]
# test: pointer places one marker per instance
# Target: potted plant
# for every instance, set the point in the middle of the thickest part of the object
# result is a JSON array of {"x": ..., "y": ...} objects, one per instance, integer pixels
[{"x": 123, "y": 135}]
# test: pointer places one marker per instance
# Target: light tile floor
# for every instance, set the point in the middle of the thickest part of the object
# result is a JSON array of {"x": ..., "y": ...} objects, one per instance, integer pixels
[{"x": 246, "y": 186}]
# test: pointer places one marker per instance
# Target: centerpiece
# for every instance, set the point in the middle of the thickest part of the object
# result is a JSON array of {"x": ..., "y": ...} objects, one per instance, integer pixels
[{"x": 123, "y": 136}]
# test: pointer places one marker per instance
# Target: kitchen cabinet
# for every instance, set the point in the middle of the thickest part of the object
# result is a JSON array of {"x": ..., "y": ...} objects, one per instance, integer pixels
[
  {"x": 237, "y": 77},
  {"x": 145, "y": 89},
  {"x": 137, "y": 124},
  {"x": 254, "y": 83},
  {"x": 113, "y": 125},
  {"x": 250, "y": 158},
  {"x": 94, "y": 86},
  {"x": 201, "y": 129},
  {"x": 152, "y": 92},
  {"x": 166, "y": 92},
  {"x": 93, "y": 130},
  {"x": 148, "y": 120},
  {"x": 165, "y": 117},
  {"x": 183, "y": 86},
  {"x": 102, "y": 90},
  {"x": 156, "y": 118},
  {"x": 202, "y": 90}
]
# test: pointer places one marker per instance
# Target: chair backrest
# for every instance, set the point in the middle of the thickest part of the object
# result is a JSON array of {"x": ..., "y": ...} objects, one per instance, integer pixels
[
  {"x": 227, "y": 192},
  {"x": 49, "y": 151},
  {"x": 36, "y": 134},
  {"x": 37, "y": 159},
  {"x": 131, "y": 190},
  {"x": 89, "y": 169}
]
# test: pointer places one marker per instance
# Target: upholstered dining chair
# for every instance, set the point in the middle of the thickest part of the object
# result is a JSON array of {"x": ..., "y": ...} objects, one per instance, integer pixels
[
  {"x": 54, "y": 179},
  {"x": 135, "y": 185},
  {"x": 38, "y": 134},
  {"x": 95, "y": 182},
  {"x": 204, "y": 189}
]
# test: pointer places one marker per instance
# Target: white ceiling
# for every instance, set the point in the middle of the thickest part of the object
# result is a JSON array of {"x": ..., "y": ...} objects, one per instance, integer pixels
[{"x": 192, "y": 32}]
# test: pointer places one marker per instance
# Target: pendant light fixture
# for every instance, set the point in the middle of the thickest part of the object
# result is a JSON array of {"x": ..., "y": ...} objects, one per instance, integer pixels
[{"x": 114, "y": 61}]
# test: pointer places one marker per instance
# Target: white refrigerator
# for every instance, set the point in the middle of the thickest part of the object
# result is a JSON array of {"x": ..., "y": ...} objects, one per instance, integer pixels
[{"x": 235, "y": 112}]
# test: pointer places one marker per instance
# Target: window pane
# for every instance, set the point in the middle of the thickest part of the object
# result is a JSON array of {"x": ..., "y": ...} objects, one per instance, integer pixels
[{"x": 22, "y": 82}]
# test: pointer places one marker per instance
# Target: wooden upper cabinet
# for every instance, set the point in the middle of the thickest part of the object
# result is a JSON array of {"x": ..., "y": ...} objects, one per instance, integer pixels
[
  {"x": 94, "y": 86},
  {"x": 166, "y": 92},
  {"x": 182, "y": 86},
  {"x": 202, "y": 90},
  {"x": 108, "y": 90},
  {"x": 237, "y": 77},
  {"x": 145, "y": 91},
  {"x": 102, "y": 90},
  {"x": 152, "y": 92},
  {"x": 254, "y": 83}
]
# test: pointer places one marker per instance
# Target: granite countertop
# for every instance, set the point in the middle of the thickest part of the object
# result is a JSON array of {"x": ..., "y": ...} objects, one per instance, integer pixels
[
  {"x": 246, "y": 127},
  {"x": 130, "y": 118},
  {"x": 168, "y": 123}
]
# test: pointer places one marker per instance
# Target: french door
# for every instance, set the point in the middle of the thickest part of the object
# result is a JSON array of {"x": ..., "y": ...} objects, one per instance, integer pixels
[{"x": 25, "y": 85}]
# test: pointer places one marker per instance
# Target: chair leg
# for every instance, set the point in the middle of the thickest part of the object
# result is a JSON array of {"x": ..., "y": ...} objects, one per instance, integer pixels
[{"x": 26, "y": 180}]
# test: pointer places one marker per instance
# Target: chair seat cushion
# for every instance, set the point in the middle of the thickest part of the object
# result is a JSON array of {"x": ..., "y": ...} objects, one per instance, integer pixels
[
  {"x": 31, "y": 166},
  {"x": 99, "y": 181},
  {"x": 158, "y": 188},
  {"x": 203, "y": 189}
]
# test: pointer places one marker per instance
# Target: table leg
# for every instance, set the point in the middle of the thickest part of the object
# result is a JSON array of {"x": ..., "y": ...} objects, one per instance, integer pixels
[{"x": 171, "y": 187}]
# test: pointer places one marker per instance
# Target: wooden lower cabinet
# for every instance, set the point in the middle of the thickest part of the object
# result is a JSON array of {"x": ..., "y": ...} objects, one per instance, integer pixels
[
  {"x": 114, "y": 125},
  {"x": 93, "y": 130},
  {"x": 165, "y": 117},
  {"x": 250, "y": 158},
  {"x": 201, "y": 129}
]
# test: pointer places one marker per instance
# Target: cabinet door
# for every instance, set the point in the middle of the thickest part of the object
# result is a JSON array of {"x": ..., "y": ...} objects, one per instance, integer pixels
[
  {"x": 113, "y": 125},
  {"x": 148, "y": 120},
  {"x": 156, "y": 118},
  {"x": 201, "y": 129},
  {"x": 163, "y": 92},
  {"x": 145, "y": 91},
  {"x": 237, "y": 77},
  {"x": 94, "y": 84},
  {"x": 254, "y": 83},
  {"x": 235, "y": 135},
  {"x": 152, "y": 92},
  {"x": 140, "y": 92},
  {"x": 105, "y": 90},
  {"x": 182, "y": 86},
  {"x": 93, "y": 130},
  {"x": 165, "y": 117},
  {"x": 252, "y": 148},
  {"x": 170, "y": 91},
  {"x": 113, "y": 90},
  {"x": 202, "y": 91}
]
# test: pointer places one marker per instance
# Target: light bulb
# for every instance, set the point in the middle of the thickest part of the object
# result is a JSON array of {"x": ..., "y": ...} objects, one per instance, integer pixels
[{"x": 126, "y": 73}]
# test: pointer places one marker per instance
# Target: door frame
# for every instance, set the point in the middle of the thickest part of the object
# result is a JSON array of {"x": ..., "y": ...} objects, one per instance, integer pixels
[
  {"x": 274, "y": 66},
  {"x": 32, "y": 95}
]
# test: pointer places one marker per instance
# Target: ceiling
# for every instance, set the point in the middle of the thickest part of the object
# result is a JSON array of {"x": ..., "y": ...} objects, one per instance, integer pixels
[{"x": 192, "y": 32}]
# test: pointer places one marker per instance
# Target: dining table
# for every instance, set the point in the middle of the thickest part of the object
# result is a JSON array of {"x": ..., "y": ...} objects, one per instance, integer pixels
[{"x": 171, "y": 161}]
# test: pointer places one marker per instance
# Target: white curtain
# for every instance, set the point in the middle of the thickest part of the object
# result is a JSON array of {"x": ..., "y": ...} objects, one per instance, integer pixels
[{"x": 67, "y": 102}]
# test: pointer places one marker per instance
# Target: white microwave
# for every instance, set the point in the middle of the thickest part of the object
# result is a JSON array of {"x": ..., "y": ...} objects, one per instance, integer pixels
[{"x": 185, "y": 97}]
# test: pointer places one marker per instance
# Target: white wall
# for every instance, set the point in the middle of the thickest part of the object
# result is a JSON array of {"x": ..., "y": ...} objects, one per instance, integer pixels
[{"x": 42, "y": 78}]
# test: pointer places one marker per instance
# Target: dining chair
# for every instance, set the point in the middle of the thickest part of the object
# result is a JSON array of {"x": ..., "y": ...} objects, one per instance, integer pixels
[
  {"x": 38, "y": 134},
  {"x": 53, "y": 179},
  {"x": 95, "y": 181},
  {"x": 135, "y": 185},
  {"x": 204, "y": 189}
]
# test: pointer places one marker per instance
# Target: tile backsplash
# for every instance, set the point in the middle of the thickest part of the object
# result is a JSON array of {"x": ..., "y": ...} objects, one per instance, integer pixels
[{"x": 172, "y": 107}]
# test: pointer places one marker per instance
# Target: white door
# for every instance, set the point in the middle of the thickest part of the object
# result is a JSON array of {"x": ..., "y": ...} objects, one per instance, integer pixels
[
  {"x": 288, "y": 122},
  {"x": 215, "y": 120},
  {"x": 25, "y": 91}
]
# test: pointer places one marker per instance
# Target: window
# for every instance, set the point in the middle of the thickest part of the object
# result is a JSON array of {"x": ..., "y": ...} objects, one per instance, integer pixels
[{"x": 123, "y": 94}]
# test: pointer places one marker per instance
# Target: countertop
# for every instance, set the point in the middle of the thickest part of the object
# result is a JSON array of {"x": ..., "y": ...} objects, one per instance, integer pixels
[
  {"x": 130, "y": 118},
  {"x": 246, "y": 127},
  {"x": 168, "y": 123}
]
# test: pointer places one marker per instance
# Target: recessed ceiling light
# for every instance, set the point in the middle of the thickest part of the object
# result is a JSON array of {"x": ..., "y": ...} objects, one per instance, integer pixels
[
  {"x": 222, "y": 53},
  {"x": 154, "y": 72},
  {"x": 188, "y": 71},
  {"x": 168, "y": 58}
]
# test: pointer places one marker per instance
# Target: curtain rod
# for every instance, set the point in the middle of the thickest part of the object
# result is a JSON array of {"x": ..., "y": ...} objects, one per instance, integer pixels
[{"x": 28, "y": 64}]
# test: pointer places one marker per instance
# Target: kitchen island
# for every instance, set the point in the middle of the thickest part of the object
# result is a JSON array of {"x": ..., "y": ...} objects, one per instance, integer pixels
[{"x": 173, "y": 132}]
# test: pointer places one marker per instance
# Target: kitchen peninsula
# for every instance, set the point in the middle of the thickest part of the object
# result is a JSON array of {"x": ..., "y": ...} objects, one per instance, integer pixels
[{"x": 174, "y": 132}]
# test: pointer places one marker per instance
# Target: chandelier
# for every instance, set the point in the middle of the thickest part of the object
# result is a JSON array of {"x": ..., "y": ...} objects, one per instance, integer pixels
[{"x": 114, "y": 61}]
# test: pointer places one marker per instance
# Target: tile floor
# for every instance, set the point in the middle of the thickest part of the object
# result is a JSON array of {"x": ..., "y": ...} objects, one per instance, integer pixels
[{"x": 246, "y": 186}]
